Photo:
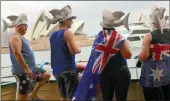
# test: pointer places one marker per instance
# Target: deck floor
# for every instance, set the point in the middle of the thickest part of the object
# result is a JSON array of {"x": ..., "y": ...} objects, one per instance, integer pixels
[{"x": 50, "y": 92}]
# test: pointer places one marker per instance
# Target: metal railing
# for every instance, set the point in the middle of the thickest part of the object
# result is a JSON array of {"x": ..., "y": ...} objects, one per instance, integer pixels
[
  {"x": 42, "y": 64},
  {"x": 17, "y": 81}
]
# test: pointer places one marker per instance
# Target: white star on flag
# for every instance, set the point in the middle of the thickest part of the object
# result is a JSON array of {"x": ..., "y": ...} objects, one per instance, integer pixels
[
  {"x": 93, "y": 98},
  {"x": 24, "y": 81},
  {"x": 91, "y": 86},
  {"x": 157, "y": 74},
  {"x": 73, "y": 98}
]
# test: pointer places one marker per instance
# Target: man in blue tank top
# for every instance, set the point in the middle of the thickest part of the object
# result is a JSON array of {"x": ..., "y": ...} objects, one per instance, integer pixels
[
  {"x": 63, "y": 50},
  {"x": 23, "y": 60},
  {"x": 155, "y": 58}
]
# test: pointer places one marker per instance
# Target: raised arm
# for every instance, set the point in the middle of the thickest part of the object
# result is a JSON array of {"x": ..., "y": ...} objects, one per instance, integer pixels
[
  {"x": 125, "y": 50},
  {"x": 144, "y": 54},
  {"x": 69, "y": 38}
]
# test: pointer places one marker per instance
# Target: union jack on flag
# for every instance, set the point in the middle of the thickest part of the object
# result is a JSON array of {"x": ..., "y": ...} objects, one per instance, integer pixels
[
  {"x": 158, "y": 50},
  {"x": 155, "y": 71},
  {"x": 106, "y": 44}
]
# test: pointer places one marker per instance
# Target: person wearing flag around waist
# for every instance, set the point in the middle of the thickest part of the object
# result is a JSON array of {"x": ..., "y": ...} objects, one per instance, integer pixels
[
  {"x": 63, "y": 50},
  {"x": 155, "y": 58}
]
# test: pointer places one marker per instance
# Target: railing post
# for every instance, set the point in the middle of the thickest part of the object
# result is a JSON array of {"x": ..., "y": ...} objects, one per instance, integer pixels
[
  {"x": 17, "y": 83},
  {"x": 17, "y": 89}
]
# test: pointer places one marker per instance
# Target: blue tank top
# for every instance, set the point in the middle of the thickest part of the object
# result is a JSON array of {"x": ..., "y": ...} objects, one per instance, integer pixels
[
  {"x": 27, "y": 54},
  {"x": 61, "y": 58}
]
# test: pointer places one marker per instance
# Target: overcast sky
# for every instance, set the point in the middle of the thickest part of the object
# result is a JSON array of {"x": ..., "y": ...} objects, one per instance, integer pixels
[{"x": 89, "y": 11}]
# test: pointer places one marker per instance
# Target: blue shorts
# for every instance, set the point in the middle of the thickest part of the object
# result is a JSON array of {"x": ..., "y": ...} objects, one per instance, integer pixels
[{"x": 67, "y": 82}]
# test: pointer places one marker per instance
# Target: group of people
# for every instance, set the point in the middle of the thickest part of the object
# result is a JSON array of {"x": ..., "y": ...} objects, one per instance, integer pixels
[{"x": 115, "y": 76}]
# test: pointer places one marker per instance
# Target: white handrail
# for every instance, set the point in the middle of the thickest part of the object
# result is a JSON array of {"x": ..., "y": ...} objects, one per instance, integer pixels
[{"x": 17, "y": 80}]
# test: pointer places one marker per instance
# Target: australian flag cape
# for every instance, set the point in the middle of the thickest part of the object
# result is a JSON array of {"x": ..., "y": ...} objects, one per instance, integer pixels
[{"x": 106, "y": 45}]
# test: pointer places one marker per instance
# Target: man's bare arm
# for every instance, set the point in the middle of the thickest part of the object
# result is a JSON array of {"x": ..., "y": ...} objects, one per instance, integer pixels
[
  {"x": 69, "y": 37},
  {"x": 144, "y": 54},
  {"x": 16, "y": 45}
]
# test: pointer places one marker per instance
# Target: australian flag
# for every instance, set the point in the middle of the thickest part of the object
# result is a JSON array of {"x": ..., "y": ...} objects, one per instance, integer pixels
[
  {"x": 155, "y": 71},
  {"x": 106, "y": 44}
]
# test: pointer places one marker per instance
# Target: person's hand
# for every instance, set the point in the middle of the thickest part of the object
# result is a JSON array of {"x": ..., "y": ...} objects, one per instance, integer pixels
[
  {"x": 79, "y": 50},
  {"x": 29, "y": 73}
]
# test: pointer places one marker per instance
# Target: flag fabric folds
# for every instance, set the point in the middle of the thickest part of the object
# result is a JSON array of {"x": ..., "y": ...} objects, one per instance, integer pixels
[
  {"x": 106, "y": 45},
  {"x": 155, "y": 72}
]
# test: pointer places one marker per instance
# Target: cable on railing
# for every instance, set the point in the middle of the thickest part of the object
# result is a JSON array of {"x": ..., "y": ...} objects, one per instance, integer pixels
[
  {"x": 17, "y": 81},
  {"x": 44, "y": 63}
]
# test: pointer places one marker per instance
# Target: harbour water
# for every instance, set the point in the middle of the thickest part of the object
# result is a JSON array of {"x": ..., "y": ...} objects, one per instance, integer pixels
[{"x": 44, "y": 56}]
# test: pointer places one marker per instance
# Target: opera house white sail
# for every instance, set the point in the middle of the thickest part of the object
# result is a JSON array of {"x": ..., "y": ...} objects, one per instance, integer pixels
[
  {"x": 5, "y": 36},
  {"x": 39, "y": 29}
]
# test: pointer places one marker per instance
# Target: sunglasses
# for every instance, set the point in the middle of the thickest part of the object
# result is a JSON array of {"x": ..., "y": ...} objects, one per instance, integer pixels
[{"x": 25, "y": 25}]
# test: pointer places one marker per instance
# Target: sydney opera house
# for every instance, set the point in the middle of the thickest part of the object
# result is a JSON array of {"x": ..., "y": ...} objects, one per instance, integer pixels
[
  {"x": 40, "y": 26},
  {"x": 40, "y": 35}
]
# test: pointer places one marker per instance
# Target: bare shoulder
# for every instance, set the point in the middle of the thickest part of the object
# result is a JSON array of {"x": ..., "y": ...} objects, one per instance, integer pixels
[
  {"x": 148, "y": 36},
  {"x": 68, "y": 33},
  {"x": 14, "y": 38}
]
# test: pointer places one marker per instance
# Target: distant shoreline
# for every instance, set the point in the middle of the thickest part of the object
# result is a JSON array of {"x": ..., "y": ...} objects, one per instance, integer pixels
[
  {"x": 43, "y": 44},
  {"x": 6, "y": 50}
]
